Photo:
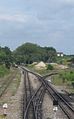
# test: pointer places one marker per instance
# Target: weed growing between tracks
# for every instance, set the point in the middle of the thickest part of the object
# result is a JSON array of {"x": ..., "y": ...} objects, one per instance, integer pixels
[
  {"x": 14, "y": 85},
  {"x": 11, "y": 90}
]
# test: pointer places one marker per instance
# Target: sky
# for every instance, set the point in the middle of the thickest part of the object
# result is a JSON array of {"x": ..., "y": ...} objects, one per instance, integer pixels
[{"x": 43, "y": 22}]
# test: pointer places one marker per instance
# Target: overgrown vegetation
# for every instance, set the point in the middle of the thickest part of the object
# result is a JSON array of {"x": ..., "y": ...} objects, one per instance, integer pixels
[
  {"x": 49, "y": 67},
  {"x": 3, "y": 71},
  {"x": 15, "y": 84},
  {"x": 9, "y": 84},
  {"x": 65, "y": 78}
]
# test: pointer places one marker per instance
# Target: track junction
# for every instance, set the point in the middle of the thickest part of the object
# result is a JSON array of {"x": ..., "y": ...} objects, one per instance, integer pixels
[{"x": 33, "y": 99}]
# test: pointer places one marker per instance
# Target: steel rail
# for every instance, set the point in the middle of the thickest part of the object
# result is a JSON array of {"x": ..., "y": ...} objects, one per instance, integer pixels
[
  {"x": 47, "y": 86},
  {"x": 31, "y": 96},
  {"x": 27, "y": 108},
  {"x": 6, "y": 85}
]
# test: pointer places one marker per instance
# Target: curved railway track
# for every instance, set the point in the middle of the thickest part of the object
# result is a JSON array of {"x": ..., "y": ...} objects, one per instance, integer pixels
[
  {"x": 32, "y": 101},
  {"x": 26, "y": 99},
  {"x": 64, "y": 105}
]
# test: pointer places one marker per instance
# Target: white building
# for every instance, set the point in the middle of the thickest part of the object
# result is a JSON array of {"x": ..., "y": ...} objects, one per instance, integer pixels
[{"x": 60, "y": 54}]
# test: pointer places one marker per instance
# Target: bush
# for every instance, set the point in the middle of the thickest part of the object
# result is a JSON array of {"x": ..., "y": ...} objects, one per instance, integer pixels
[
  {"x": 49, "y": 67},
  {"x": 3, "y": 70},
  {"x": 72, "y": 84}
]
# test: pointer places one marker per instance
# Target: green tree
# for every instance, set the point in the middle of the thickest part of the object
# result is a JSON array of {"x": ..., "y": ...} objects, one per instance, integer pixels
[
  {"x": 28, "y": 53},
  {"x": 5, "y": 56}
]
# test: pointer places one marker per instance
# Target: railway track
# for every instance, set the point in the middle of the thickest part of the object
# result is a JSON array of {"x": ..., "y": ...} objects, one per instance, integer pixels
[
  {"x": 5, "y": 84},
  {"x": 32, "y": 101},
  {"x": 64, "y": 105},
  {"x": 38, "y": 100},
  {"x": 26, "y": 98}
]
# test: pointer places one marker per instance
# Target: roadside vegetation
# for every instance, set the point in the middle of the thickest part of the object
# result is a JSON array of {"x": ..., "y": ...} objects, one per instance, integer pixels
[{"x": 65, "y": 78}]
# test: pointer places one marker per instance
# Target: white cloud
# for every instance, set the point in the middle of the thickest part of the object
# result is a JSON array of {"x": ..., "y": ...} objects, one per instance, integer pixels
[
  {"x": 14, "y": 18},
  {"x": 17, "y": 18},
  {"x": 65, "y": 1},
  {"x": 21, "y": 18}
]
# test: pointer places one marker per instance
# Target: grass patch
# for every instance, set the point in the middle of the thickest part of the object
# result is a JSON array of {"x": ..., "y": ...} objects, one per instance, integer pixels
[
  {"x": 43, "y": 71},
  {"x": 2, "y": 117},
  {"x": 56, "y": 80},
  {"x": 6, "y": 81},
  {"x": 65, "y": 78},
  {"x": 3, "y": 71},
  {"x": 11, "y": 90},
  {"x": 15, "y": 84}
]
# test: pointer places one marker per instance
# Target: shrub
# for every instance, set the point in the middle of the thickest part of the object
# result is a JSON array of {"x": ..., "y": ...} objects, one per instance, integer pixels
[
  {"x": 49, "y": 67},
  {"x": 3, "y": 70},
  {"x": 72, "y": 84}
]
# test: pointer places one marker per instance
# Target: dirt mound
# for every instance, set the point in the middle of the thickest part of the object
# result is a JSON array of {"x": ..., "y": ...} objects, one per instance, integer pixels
[{"x": 40, "y": 65}]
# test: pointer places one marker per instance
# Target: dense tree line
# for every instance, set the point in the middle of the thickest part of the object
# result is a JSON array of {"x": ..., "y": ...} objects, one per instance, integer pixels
[
  {"x": 29, "y": 53},
  {"x": 72, "y": 60},
  {"x": 5, "y": 56}
]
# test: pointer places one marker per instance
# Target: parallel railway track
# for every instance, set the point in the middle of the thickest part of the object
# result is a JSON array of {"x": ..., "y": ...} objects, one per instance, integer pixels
[
  {"x": 5, "y": 84},
  {"x": 64, "y": 105},
  {"x": 31, "y": 101},
  {"x": 26, "y": 99}
]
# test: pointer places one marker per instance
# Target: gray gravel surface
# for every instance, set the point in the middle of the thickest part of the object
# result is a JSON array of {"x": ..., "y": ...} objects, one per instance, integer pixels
[
  {"x": 14, "y": 106},
  {"x": 47, "y": 109}
]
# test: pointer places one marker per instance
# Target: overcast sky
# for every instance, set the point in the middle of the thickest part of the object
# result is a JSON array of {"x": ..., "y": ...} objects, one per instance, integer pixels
[{"x": 45, "y": 22}]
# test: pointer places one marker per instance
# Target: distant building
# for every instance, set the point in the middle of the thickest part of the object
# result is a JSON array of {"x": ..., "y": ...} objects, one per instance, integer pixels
[{"x": 60, "y": 54}]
